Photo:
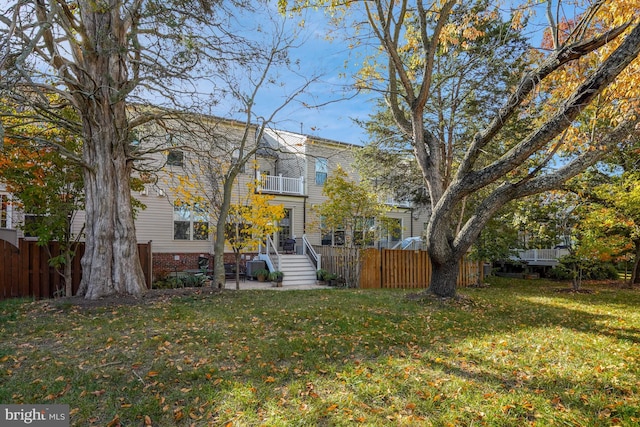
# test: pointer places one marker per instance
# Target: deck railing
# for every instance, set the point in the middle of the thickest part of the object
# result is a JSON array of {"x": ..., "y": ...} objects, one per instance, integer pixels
[
  {"x": 311, "y": 253},
  {"x": 281, "y": 184},
  {"x": 542, "y": 254}
]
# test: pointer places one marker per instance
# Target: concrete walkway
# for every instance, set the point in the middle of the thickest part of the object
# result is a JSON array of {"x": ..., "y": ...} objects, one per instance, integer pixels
[{"x": 254, "y": 284}]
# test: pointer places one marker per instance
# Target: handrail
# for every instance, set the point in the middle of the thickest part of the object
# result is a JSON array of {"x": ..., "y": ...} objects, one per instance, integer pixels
[
  {"x": 272, "y": 251},
  {"x": 311, "y": 253}
]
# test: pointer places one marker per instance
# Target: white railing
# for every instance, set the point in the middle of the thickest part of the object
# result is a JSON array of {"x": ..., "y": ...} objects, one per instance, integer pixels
[
  {"x": 270, "y": 256},
  {"x": 311, "y": 253},
  {"x": 542, "y": 254},
  {"x": 410, "y": 244},
  {"x": 398, "y": 203},
  {"x": 281, "y": 184}
]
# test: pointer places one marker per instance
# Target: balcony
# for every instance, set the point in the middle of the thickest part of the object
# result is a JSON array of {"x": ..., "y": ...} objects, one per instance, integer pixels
[
  {"x": 278, "y": 184},
  {"x": 541, "y": 256},
  {"x": 390, "y": 201}
]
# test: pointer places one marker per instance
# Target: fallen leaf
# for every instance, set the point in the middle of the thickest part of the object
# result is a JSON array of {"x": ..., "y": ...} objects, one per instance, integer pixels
[{"x": 115, "y": 422}]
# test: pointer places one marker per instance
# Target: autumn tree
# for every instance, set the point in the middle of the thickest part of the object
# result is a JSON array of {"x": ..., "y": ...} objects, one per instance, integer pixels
[
  {"x": 249, "y": 222},
  {"x": 611, "y": 226},
  {"x": 46, "y": 183},
  {"x": 355, "y": 211},
  {"x": 107, "y": 59},
  {"x": 502, "y": 164}
]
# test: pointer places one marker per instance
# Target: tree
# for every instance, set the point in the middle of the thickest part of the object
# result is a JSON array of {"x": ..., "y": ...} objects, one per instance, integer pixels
[
  {"x": 250, "y": 221},
  {"x": 355, "y": 211},
  {"x": 46, "y": 185},
  {"x": 100, "y": 57},
  {"x": 611, "y": 228},
  {"x": 501, "y": 163}
]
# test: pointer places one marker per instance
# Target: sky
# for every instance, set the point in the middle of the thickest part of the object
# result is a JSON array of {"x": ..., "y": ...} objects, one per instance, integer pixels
[
  {"x": 331, "y": 104},
  {"x": 339, "y": 104}
]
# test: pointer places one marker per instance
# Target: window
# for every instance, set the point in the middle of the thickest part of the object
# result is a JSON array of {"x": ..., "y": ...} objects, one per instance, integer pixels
[
  {"x": 5, "y": 211},
  {"x": 31, "y": 224},
  {"x": 321, "y": 170},
  {"x": 391, "y": 231},
  {"x": 364, "y": 231},
  {"x": 235, "y": 156},
  {"x": 331, "y": 237},
  {"x": 190, "y": 222},
  {"x": 175, "y": 158}
]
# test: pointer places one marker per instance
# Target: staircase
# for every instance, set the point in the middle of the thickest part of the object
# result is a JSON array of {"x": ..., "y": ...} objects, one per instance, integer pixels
[{"x": 298, "y": 270}]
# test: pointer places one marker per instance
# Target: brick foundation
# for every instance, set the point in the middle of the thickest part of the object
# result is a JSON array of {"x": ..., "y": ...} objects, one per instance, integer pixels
[{"x": 166, "y": 263}]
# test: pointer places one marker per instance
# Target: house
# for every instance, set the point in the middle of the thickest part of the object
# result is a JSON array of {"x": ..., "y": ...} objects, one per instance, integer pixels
[
  {"x": 290, "y": 166},
  {"x": 184, "y": 167}
]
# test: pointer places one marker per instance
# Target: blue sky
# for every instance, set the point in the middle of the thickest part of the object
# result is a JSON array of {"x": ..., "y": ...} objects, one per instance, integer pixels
[
  {"x": 333, "y": 94},
  {"x": 328, "y": 109}
]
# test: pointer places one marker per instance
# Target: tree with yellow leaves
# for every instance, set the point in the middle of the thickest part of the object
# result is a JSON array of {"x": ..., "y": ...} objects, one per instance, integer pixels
[{"x": 250, "y": 221}]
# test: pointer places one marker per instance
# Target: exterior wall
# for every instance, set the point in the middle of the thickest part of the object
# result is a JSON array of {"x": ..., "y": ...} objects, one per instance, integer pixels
[{"x": 337, "y": 154}]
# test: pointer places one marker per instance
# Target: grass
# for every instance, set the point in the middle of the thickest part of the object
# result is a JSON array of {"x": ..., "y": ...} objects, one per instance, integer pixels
[{"x": 515, "y": 353}]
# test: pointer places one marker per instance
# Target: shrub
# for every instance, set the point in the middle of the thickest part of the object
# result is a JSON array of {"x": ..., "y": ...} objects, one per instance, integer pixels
[
  {"x": 321, "y": 274},
  {"x": 591, "y": 270},
  {"x": 276, "y": 276},
  {"x": 261, "y": 272}
]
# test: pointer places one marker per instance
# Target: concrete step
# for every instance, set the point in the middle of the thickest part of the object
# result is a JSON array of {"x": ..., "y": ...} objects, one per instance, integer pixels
[{"x": 298, "y": 270}]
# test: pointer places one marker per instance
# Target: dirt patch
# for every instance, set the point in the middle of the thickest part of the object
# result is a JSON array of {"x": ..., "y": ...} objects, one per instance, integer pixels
[
  {"x": 460, "y": 301},
  {"x": 150, "y": 297}
]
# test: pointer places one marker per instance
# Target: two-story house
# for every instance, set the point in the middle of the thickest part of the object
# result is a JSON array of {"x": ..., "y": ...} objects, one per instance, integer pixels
[{"x": 290, "y": 166}]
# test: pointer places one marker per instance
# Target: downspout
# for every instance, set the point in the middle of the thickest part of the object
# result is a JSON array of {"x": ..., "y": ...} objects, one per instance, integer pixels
[{"x": 411, "y": 220}]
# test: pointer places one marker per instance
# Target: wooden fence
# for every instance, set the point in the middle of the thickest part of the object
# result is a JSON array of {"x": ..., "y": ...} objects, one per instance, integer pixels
[
  {"x": 25, "y": 271},
  {"x": 389, "y": 268}
]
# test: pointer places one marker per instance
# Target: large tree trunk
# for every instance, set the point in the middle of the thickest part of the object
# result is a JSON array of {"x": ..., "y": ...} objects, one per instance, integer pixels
[
  {"x": 110, "y": 264},
  {"x": 444, "y": 278},
  {"x": 444, "y": 262},
  {"x": 218, "y": 244}
]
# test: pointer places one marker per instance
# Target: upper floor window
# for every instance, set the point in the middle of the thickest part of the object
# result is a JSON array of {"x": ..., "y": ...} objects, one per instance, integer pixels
[
  {"x": 175, "y": 158},
  {"x": 5, "y": 211},
  {"x": 235, "y": 156},
  {"x": 321, "y": 170},
  {"x": 190, "y": 222}
]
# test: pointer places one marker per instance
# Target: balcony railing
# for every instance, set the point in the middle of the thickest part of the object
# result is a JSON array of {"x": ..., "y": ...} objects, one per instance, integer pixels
[
  {"x": 541, "y": 256},
  {"x": 280, "y": 184},
  {"x": 398, "y": 203}
]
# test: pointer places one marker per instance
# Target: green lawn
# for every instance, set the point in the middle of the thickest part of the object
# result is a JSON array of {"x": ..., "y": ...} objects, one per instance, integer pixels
[{"x": 512, "y": 354}]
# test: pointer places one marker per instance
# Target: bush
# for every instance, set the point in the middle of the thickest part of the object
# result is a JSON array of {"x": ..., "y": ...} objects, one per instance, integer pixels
[
  {"x": 193, "y": 281},
  {"x": 591, "y": 270},
  {"x": 560, "y": 272},
  {"x": 276, "y": 276},
  {"x": 321, "y": 274}
]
